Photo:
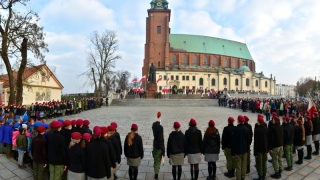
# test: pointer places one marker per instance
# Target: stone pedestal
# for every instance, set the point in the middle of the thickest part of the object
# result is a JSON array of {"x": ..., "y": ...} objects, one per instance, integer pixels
[{"x": 151, "y": 89}]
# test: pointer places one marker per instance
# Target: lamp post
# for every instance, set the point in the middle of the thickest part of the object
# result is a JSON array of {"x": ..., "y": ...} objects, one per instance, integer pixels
[
  {"x": 124, "y": 81},
  {"x": 209, "y": 81}
]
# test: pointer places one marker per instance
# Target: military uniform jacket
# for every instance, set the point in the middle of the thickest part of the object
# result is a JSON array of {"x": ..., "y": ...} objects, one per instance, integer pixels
[
  {"x": 261, "y": 139},
  {"x": 226, "y": 136}
]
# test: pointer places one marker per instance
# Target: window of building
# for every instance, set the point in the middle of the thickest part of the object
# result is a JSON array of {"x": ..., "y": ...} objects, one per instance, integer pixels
[
  {"x": 195, "y": 59},
  {"x": 237, "y": 82},
  {"x": 235, "y": 64},
  {"x": 247, "y": 82},
  {"x": 224, "y": 81},
  {"x": 183, "y": 78},
  {"x": 160, "y": 88},
  {"x": 266, "y": 84},
  {"x": 184, "y": 59},
  {"x": 172, "y": 77},
  {"x": 174, "y": 59},
  {"x": 165, "y": 77},
  {"x": 257, "y": 83},
  {"x": 213, "y": 82},
  {"x": 177, "y": 77},
  {"x": 158, "y": 63},
  {"x": 193, "y": 78},
  {"x": 201, "y": 81},
  {"x": 214, "y": 60},
  {"x": 205, "y": 60},
  {"x": 43, "y": 77},
  {"x": 225, "y": 62},
  {"x": 187, "y": 78},
  {"x": 159, "y": 29}
]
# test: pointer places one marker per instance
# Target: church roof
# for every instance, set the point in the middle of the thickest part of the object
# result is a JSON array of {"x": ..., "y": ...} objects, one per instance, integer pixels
[
  {"x": 244, "y": 68},
  {"x": 209, "y": 45}
]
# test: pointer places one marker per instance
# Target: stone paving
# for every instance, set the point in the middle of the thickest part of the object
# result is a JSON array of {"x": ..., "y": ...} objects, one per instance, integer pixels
[{"x": 144, "y": 117}]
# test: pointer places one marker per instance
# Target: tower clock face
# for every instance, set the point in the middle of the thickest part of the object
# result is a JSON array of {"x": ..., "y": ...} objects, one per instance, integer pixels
[{"x": 159, "y": 3}]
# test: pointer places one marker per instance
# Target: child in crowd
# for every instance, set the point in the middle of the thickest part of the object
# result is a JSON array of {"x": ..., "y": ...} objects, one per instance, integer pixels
[
  {"x": 15, "y": 134},
  {"x": 22, "y": 146}
]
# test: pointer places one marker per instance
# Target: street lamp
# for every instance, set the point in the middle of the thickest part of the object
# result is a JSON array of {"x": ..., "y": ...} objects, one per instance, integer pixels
[{"x": 209, "y": 81}]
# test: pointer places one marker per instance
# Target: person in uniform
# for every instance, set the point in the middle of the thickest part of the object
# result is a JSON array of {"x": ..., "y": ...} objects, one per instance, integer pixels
[
  {"x": 226, "y": 147},
  {"x": 246, "y": 124},
  {"x": 175, "y": 150},
  {"x": 308, "y": 126},
  {"x": 116, "y": 147},
  {"x": 261, "y": 147},
  {"x": 316, "y": 132},
  {"x": 276, "y": 147},
  {"x": 39, "y": 154},
  {"x": 288, "y": 138},
  {"x": 158, "y": 151},
  {"x": 299, "y": 139},
  {"x": 76, "y": 158}
]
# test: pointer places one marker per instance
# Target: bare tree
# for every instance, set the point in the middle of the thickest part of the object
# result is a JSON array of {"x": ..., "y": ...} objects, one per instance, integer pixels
[
  {"x": 19, "y": 34},
  {"x": 304, "y": 86},
  {"x": 101, "y": 58}
]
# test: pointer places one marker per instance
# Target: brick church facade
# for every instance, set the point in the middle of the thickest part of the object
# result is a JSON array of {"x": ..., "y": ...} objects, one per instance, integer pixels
[{"x": 198, "y": 62}]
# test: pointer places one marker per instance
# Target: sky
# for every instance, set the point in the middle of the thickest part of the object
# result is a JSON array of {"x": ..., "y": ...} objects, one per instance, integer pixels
[{"x": 283, "y": 36}]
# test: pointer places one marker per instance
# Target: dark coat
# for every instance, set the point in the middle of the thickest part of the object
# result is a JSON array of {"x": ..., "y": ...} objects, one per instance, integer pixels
[
  {"x": 57, "y": 151},
  {"x": 226, "y": 136},
  {"x": 307, "y": 127},
  {"x": 136, "y": 149},
  {"x": 250, "y": 131},
  {"x": 261, "y": 139},
  {"x": 98, "y": 161},
  {"x": 76, "y": 159},
  {"x": 176, "y": 143},
  {"x": 288, "y": 134},
  {"x": 79, "y": 129},
  {"x": 298, "y": 139},
  {"x": 316, "y": 126},
  {"x": 276, "y": 136},
  {"x": 117, "y": 135},
  {"x": 193, "y": 137},
  {"x": 116, "y": 148},
  {"x": 87, "y": 129},
  {"x": 112, "y": 154},
  {"x": 211, "y": 143},
  {"x": 240, "y": 140},
  {"x": 158, "y": 141},
  {"x": 66, "y": 133},
  {"x": 39, "y": 149}
]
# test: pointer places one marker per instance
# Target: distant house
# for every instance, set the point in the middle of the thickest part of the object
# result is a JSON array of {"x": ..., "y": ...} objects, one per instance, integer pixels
[{"x": 39, "y": 85}]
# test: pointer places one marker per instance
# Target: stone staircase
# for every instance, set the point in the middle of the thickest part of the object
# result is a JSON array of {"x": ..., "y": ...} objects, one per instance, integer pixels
[{"x": 173, "y": 96}]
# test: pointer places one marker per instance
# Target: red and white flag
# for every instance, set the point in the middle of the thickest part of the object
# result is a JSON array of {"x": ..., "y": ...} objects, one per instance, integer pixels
[
  {"x": 135, "y": 79},
  {"x": 160, "y": 78},
  {"x": 311, "y": 107},
  {"x": 168, "y": 79},
  {"x": 143, "y": 78}
]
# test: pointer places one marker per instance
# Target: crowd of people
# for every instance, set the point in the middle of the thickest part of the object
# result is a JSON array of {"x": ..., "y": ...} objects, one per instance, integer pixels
[{"x": 69, "y": 149}]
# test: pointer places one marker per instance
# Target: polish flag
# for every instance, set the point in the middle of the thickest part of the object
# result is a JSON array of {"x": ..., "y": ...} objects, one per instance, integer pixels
[
  {"x": 160, "y": 78},
  {"x": 143, "y": 78},
  {"x": 311, "y": 107},
  {"x": 135, "y": 79},
  {"x": 168, "y": 79}
]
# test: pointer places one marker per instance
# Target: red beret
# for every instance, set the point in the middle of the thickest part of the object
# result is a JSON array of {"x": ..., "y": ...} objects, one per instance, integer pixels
[
  {"x": 176, "y": 125},
  {"x": 114, "y": 124},
  {"x": 274, "y": 114},
  {"x": 301, "y": 113},
  {"x": 79, "y": 122},
  {"x": 56, "y": 124},
  {"x": 315, "y": 112},
  {"x": 276, "y": 118},
  {"x": 260, "y": 115},
  {"x": 66, "y": 123},
  {"x": 86, "y": 136},
  {"x": 193, "y": 122},
  {"x": 158, "y": 114},
  {"x": 76, "y": 136},
  {"x": 73, "y": 122},
  {"x": 292, "y": 116},
  {"x": 287, "y": 118},
  {"x": 231, "y": 119},
  {"x": 211, "y": 123},
  {"x": 260, "y": 120},
  {"x": 246, "y": 118},
  {"x": 111, "y": 128},
  {"x": 299, "y": 121},
  {"x": 86, "y": 122},
  {"x": 104, "y": 130},
  {"x": 241, "y": 118},
  {"x": 97, "y": 130},
  {"x": 41, "y": 129},
  {"x": 308, "y": 117},
  {"x": 134, "y": 127}
]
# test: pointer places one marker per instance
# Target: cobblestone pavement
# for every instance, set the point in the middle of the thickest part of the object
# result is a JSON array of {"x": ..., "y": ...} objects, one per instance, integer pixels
[{"x": 144, "y": 117}]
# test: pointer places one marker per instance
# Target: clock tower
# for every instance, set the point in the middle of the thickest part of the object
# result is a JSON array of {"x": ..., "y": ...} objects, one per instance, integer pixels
[{"x": 157, "y": 36}]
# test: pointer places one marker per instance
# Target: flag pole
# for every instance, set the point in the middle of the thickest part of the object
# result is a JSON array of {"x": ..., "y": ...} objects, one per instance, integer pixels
[{"x": 145, "y": 88}]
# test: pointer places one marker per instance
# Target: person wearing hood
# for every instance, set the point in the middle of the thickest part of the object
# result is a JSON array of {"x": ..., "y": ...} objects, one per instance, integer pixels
[
  {"x": 158, "y": 145},
  {"x": 175, "y": 150},
  {"x": 211, "y": 149},
  {"x": 193, "y": 148}
]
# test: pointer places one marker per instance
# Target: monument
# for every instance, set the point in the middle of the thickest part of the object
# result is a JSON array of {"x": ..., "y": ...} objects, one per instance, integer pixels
[{"x": 151, "y": 84}]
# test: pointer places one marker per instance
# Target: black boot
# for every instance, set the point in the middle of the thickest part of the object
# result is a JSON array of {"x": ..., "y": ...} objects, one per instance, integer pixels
[
  {"x": 309, "y": 149},
  {"x": 300, "y": 157},
  {"x": 248, "y": 169},
  {"x": 196, "y": 174},
  {"x": 259, "y": 178},
  {"x": 276, "y": 175},
  {"x": 229, "y": 174},
  {"x": 233, "y": 173},
  {"x": 289, "y": 168},
  {"x": 316, "y": 145},
  {"x": 156, "y": 176}
]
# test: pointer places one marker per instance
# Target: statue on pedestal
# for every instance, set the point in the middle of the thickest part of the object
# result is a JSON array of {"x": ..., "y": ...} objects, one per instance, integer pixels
[{"x": 152, "y": 73}]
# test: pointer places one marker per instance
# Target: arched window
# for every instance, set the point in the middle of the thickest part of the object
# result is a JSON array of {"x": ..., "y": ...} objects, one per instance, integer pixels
[
  {"x": 235, "y": 64},
  {"x": 247, "y": 82},
  {"x": 224, "y": 81},
  {"x": 174, "y": 59},
  {"x": 158, "y": 63},
  {"x": 201, "y": 81},
  {"x": 213, "y": 82},
  {"x": 237, "y": 82},
  {"x": 225, "y": 62},
  {"x": 205, "y": 60},
  {"x": 257, "y": 83},
  {"x": 184, "y": 59},
  {"x": 266, "y": 84},
  {"x": 195, "y": 59},
  {"x": 214, "y": 60}
]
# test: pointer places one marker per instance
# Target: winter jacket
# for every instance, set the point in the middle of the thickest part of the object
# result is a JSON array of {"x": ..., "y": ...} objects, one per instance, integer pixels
[
  {"x": 298, "y": 139},
  {"x": 316, "y": 126},
  {"x": 76, "y": 159},
  {"x": 136, "y": 149},
  {"x": 240, "y": 140},
  {"x": 193, "y": 137},
  {"x": 226, "y": 136},
  {"x": 308, "y": 126},
  {"x": 57, "y": 150},
  {"x": 66, "y": 133},
  {"x": 3, "y": 126},
  {"x": 250, "y": 132},
  {"x": 261, "y": 139},
  {"x": 15, "y": 134},
  {"x": 288, "y": 134},
  {"x": 112, "y": 155},
  {"x": 116, "y": 148},
  {"x": 117, "y": 135},
  {"x": 8, "y": 134},
  {"x": 158, "y": 141},
  {"x": 211, "y": 144},
  {"x": 22, "y": 143},
  {"x": 276, "y": 136},
  {"x": 176, "y": 143},
  {"x": 39, "y": 149}
]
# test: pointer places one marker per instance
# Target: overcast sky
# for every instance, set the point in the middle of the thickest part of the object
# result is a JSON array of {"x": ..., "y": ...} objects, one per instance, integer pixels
[{"x": 283, "y": 36}]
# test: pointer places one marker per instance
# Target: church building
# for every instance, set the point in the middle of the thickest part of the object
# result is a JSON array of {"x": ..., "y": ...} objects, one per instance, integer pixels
[{"x": 198, "y": 62}]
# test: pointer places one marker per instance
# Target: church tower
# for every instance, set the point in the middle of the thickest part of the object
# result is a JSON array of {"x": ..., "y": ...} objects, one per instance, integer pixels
[{"x": 157, "y": 36}]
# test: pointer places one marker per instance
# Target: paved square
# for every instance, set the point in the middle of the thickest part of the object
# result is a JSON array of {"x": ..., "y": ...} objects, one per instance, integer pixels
[{"x": 144, "y": 117}]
